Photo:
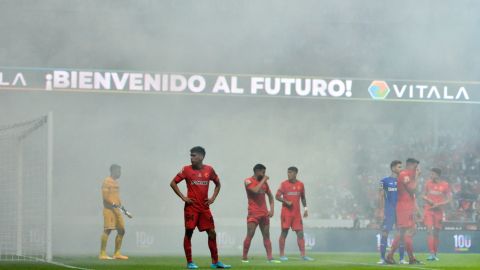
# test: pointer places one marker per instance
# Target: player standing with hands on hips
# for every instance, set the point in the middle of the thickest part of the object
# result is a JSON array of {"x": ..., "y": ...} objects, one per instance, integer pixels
[{"x": 197, "y": 204}]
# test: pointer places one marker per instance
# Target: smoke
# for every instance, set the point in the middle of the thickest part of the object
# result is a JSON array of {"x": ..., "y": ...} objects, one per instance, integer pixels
[{"x": 335, "y": 144}]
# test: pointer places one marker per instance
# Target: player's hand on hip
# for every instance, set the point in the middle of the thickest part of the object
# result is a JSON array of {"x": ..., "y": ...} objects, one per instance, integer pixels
[
  {"x": 270, "y": 213},
  {"x": 305, "y": 214},
  {"x": 188, "y": 200},
  {"x": 288, "y": 203},
  {"x": 209, "y": 201}
]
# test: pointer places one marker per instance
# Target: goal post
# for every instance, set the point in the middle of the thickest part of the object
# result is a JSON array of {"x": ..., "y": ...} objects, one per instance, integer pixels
[{"x": 26, "y": 174}]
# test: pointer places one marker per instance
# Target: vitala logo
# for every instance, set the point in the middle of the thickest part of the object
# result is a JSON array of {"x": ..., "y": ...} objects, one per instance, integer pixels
[{"x": 378, "y": 89}]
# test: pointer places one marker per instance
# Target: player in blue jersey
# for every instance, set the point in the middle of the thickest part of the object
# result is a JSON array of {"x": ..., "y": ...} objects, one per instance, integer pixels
[{"x": 388, "y": 202}]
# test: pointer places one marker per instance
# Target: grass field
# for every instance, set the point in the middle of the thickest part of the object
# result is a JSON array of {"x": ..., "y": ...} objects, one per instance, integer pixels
[{"x": 322, "y": 261}]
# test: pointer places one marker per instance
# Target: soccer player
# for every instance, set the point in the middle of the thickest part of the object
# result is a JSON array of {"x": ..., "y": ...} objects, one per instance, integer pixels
[
  {"x": 388, "y": 202},
  {"x": 112, "y": 216},
  {"x": 436, "y": 194},
  {"x": 406, "y": 209},
  {"x": 289, "y": 194},
  {"x": 258, "y": 214},
  {"x": 197, "y": 204}
]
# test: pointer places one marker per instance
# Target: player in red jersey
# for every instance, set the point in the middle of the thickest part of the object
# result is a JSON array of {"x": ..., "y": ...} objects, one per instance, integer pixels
[
  {"x": 258, "y": 214},
  {"x": 436, "y": 194},
  {"x": 406, "y": 209},
  {"x": 197, "y": 204},
  {"x": 289, "y": 194}
]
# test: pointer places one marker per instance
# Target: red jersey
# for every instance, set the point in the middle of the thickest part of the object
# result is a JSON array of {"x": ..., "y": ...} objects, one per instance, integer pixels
[
  {"x": 291, "y": 192},
  {"x": 437, "y": 192},
  {"x": 406, "y": 180},
  {"x": 257, "y": 204},
  {"x": 197, "y": 184}
]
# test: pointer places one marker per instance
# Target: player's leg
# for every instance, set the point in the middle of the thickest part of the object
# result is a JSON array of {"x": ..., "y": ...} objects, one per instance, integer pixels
[
  {"x": 109, "y": 224},
  {"x": 206, "y": 223},
  {"x": 103, "y": 245},
  {"x": 119, "y": 238},
  {"x": 383, "y": 245},
  {"x": 265, "y": 229},
  {"x": 436, "y": 231},
  {"x": 251, "y": 227},
  {"x": 281, "y": 244},
  {"x": 428, "y": 221},
  {"x": 191, "y": 220},
  {"x": 409, "y": 244},
  {"x": 297, "y": 226},
  {"x": 399, "y": 238}
]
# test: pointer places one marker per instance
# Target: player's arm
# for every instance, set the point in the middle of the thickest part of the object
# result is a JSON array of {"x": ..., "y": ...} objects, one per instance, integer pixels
[
  {"x": 381, "y": 201},
  {"x": 177, "y": 191},
  {"x": 271, "y": 201},
  {"x": 107, "y": 195},
  {"x": 279, "y": 197},
  {"x": 417, "y": 209},
  {"x": 256, "y": 189},
  {"x": 448, "y": 199},
  {"x": 304, "y": 203},
  {"x": 215, "y": 192},
  {"x": 425, "y": 195}
]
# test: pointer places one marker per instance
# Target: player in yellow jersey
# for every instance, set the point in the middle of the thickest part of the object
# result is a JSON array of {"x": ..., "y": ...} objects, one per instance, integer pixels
[{"x": 112, "y": 214}]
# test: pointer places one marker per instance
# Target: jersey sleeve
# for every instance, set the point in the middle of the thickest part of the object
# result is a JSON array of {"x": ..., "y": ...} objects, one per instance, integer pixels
[
  {"x": 180, "y": 176},
  {"x": 249, "y": 183},
  {"x": 214, "y": 177}
]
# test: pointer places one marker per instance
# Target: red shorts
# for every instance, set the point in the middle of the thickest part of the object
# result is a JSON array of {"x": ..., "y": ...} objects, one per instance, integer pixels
[
  {"x": 292, "y": 221},
  {"x": 406, "y": 219},
  {"x": 259, "y": 219},
  {"x": 201, "y": 219},
  {"x": 433, "y": 219}
]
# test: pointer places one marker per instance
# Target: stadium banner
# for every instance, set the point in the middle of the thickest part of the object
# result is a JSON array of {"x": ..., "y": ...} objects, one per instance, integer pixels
[
  {"x": 316, "y": 87},
  {"x": 147, "y": 237}
]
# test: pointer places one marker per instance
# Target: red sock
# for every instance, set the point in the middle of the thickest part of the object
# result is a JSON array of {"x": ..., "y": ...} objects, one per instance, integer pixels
[
  {"x": 268, "y": 246},
  {"x": 436, "y": 242},
  {"x": 281, "y": 244},
  {"x": 431, "y": 243},
  {"x": 212, "y": 245},
  {"x": 246, "y": 246},
  {"x": 409, "y": 246},
  {"x": 187, "y": 246},
  {"x": 395, "y": 244},
  {"x": 301, "y": 245}
]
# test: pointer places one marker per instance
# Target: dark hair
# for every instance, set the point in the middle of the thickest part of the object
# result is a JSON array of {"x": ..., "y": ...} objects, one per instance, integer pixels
[
  {"x": 198, "y": 149},
  {"x": 259, "y": 167},
  {"x": 437, "y": 171},
  {"x": 412, "y": 160},
  {"x": 293, "y": 169},
  {"x": 395, "y": 163},
  {"x": 114, "y": 167}
]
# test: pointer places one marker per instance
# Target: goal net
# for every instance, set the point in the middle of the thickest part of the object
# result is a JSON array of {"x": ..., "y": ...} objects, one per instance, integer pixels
[{"x": 25, "y": 189}]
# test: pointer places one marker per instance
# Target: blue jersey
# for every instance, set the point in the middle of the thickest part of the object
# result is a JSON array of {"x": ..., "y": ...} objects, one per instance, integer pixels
[{"x": 389, "y": 186}]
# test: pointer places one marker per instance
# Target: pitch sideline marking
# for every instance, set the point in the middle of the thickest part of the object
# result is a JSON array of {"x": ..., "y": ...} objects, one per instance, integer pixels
[{"x": 387, "y": 265}]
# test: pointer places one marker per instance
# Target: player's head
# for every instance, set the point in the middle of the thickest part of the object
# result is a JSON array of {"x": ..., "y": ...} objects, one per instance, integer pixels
[
  {"x": 435, "y": 173},
  {"x": 396, "y": 166},
  {"x": 259, "y": 171},
  {"x": 197, "y": 154},
  {"x": 292, "y": 173},
  {"x": 115, "y": 171},
  {"x": 412, "y": 163}
]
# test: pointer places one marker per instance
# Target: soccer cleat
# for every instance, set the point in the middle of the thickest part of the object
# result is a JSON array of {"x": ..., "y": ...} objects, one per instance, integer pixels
[
  {"x": 308, "y": 259},
  {"x": 120, "y": 257},
  {"x": 389, "y": 260},
  {"x": 104, "y": 257},
  {"x": 431, "y": 258},
  {"x": 415, "y": 261},
  {"x": 403, "y": 262},
  {"x": 283, "y": 258},
  {"x": 220, "y": 265},
  {"x": 274, "y": 261},
  {"x": 382, "y": 261},
  {"x": 192, "y": 265},
  {"x": 436, "y": 258},
  {"x": 245, "y": 261}
]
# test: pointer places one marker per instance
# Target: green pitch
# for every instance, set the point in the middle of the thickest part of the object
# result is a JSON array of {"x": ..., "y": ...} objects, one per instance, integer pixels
[{"x": 322, "y": 261}]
